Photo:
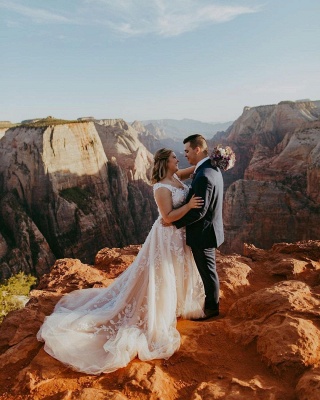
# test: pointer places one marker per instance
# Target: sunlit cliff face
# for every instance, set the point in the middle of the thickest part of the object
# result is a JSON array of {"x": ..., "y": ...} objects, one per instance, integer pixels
[
  {"x": 74, "y": 148},
  {"x": 77, "y": 184}
]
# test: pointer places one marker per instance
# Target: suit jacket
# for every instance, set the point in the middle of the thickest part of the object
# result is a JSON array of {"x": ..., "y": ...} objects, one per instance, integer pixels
[{"x": 204, "y": 226}]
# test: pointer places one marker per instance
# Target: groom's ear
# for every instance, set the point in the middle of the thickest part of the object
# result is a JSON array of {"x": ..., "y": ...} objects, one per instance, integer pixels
[{"x": 197, "y": 150}]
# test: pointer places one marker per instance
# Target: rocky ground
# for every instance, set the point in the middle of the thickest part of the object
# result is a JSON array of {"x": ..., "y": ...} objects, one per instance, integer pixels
[{"x": 265, "y": 345}]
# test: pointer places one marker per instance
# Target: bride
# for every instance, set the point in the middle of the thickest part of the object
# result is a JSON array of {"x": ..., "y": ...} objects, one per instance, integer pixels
[{"x": 99, "y": 330}]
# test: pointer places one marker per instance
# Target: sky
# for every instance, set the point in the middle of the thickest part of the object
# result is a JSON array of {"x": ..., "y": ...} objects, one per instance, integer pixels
[{"x": 155, "y": 59}]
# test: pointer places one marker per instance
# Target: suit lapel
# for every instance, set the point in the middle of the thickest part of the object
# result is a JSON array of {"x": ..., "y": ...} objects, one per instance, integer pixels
[{"x": 206, "y": 164}]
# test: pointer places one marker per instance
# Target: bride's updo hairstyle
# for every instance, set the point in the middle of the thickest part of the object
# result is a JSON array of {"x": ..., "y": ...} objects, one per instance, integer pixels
[{"x": 159, "y": 170}]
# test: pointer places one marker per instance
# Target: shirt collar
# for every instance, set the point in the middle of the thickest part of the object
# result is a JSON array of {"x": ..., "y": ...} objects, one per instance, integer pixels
[{"x": 200, "y": 163}]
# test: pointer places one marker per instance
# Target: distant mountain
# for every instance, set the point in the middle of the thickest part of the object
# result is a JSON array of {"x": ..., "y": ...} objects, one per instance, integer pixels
[
  {"x": 179, "y": 129},
  {"x": 154, "y": 139},
  {"x": 169, "y": 133}
]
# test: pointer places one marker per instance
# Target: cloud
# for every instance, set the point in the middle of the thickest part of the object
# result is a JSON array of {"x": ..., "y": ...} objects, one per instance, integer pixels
[
  {"x": 172, "y": 24},
  {"x": 164, "y": 17},
  {"x": 35, "y": 14},
  {"x": 128, "y": 18}
]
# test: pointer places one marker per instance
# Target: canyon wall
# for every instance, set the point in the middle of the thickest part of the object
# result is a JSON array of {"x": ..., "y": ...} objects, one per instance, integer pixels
[
  {"x": 67, "y": 190},
  {"x": 70, "y": 188},
  {"x": 273, "y": 193}
]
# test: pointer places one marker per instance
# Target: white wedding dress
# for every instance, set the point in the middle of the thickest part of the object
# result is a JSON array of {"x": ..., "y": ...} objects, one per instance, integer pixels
[{"x": 101, "y": 329}]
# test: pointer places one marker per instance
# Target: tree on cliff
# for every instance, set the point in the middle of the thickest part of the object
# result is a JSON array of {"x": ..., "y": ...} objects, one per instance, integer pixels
[{"x": 11, "y": 290}]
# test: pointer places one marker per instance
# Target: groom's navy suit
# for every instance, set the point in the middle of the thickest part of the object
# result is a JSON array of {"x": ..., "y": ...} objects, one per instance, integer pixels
[{"x": 204, "y": 228}]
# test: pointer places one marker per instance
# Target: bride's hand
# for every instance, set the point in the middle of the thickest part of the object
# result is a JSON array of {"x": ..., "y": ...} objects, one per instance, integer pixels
[
  {"x": 163, "y": 223},
  {"x": 195, "y": 202}
]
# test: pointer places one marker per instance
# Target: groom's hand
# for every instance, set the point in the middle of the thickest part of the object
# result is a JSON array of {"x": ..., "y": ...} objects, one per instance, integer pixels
[{"x": 163, "y": 223}]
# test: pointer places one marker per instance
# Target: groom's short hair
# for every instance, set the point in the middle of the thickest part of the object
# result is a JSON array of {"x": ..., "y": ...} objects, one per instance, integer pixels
[{"x": 197, "y": 141}]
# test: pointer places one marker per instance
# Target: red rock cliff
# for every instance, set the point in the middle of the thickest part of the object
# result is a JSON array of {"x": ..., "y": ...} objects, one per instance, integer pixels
[
  {"x": 273, "y": 192},
  {"x": 265, "y": 345},
  {"x": 76, "y": 187}
]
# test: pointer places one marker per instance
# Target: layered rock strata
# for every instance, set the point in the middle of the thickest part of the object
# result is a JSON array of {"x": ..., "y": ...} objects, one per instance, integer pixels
[
  {"x": 81, "y": 186},
  {"x": 273, "y": 192}
]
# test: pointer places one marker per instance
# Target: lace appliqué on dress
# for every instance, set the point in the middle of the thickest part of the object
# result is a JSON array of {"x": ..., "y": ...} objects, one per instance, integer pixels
[{"x": 101, "y": 329}]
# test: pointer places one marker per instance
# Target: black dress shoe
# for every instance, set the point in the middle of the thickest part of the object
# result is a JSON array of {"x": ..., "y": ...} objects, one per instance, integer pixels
[{"x": 208, "y": 313}]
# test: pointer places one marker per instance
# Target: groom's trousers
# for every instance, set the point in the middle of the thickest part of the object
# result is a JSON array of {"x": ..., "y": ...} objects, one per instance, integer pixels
[{"x": 206, "y": 263}]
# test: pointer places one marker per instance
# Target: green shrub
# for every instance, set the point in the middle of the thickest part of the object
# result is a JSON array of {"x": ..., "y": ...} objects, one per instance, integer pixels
[
  {"x": 18, "y": 285},
  {"x": 81, "y": 197},
  {"x": 49, "y": 121}
]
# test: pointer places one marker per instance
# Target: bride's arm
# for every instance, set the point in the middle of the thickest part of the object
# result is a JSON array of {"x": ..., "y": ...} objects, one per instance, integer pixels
[
  {"x": 185, "y": 172},
  {"x": 163, "y": 199}
]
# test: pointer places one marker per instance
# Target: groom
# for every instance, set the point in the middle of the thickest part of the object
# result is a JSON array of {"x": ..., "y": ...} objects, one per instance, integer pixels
[{"x": 204, "y": 226}]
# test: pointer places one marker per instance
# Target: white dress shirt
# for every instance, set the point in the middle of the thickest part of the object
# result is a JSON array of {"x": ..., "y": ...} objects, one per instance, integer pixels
[{"x": 200, "y": 162}]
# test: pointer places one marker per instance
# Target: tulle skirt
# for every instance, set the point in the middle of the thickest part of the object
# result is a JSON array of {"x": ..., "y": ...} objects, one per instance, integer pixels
[{"x": 102, "y": 329}]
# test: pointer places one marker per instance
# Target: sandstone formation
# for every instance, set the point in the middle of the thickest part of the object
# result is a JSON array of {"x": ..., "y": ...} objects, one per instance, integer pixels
[
  {"x": 80, "y": 186},
  {"x": 121, "y": 143},
  {"x": 2, "y": 132},
  {"x": 154, "y": 141},
  {"x": 26, "y": 250},
  {"x": 273, "y": 191},
  {"x": 265, "y": 345},
  {"x": 265, "y": 212}
]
